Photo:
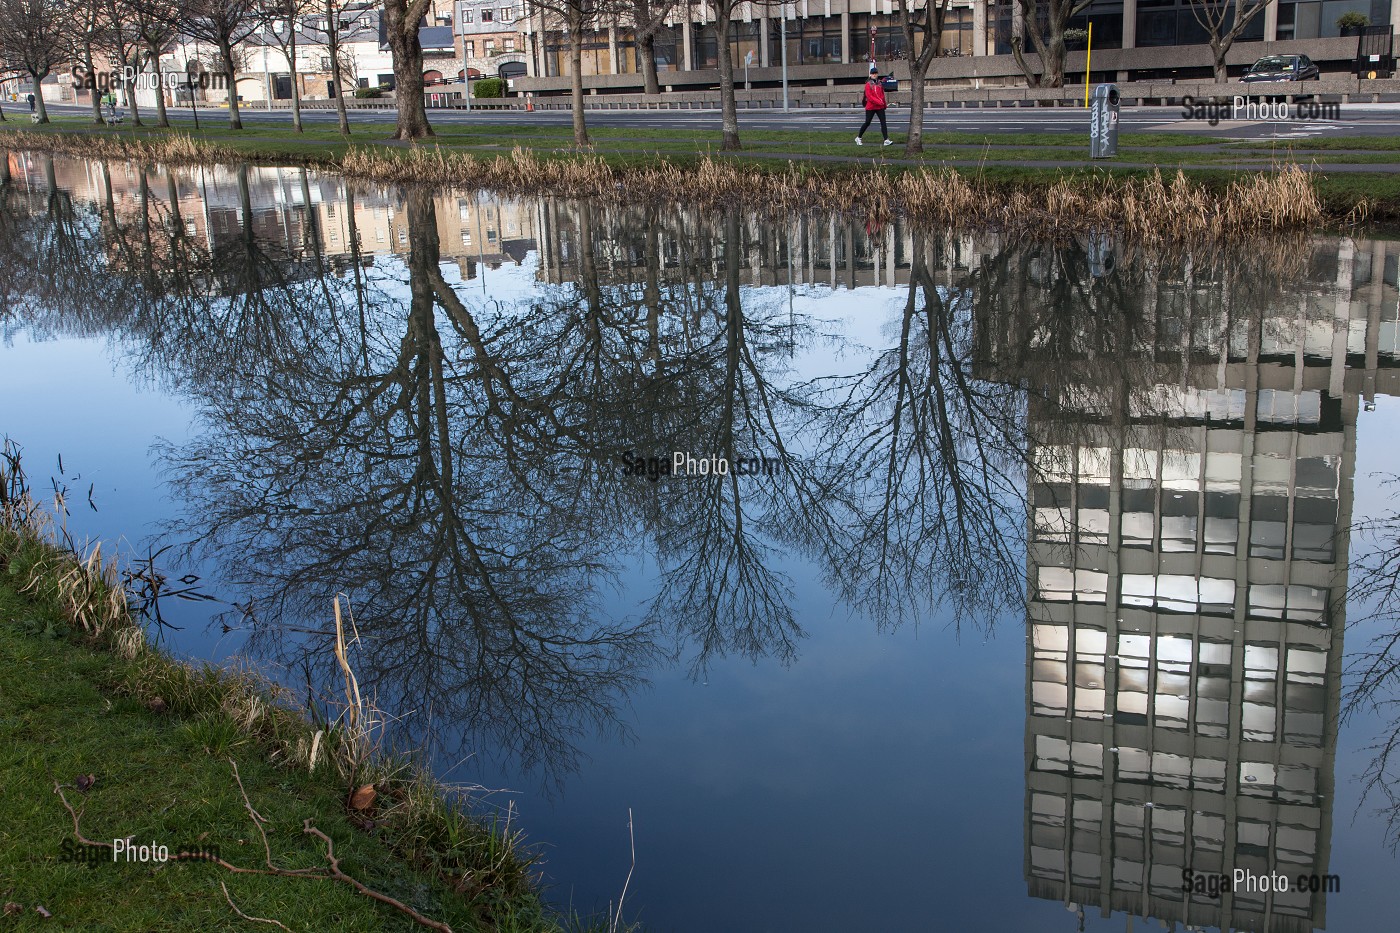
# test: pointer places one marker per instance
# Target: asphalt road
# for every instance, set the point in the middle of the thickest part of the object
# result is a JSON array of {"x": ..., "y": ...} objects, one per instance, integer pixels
[{"x": 1355, "y": 120}]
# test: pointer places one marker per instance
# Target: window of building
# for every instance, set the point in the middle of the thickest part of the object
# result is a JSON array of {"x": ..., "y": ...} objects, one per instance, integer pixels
[
  {"x": 470, "y": 49},
  {"x": 486, "y": 16},
  {"x": 490, "y": 46},
  {"x": 507, "y": 15},
  {"x": 467, "y": 16},
  {"x": 510, "y": 44}
]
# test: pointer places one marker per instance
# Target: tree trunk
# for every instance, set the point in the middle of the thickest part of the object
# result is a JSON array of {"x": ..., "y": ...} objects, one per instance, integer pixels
[
  {"x": 131, "y": 96},
  {"x": 408, "y": 74},
  {"x": 162, "y": 119},
  {"x": 226, "y": 54},
  {"x": 647, "y": 45},
  {"x": 40, "y": 110},
  {"x": 292, "y": 69},
  {"x": 1217, "y": 51},
  {"x": 92, "y": 92},
  {"x": 1055, "y": 59},
  {"x": 918, "y": 70},
  {"x": 339, "y": 91},
  {"x": 729, "y": 110},
  {"x": 576, "y": 79},
  {"x": 1032, "y": 79}
]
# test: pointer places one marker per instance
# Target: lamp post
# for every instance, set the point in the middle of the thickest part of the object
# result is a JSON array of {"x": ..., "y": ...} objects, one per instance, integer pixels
[{"x": 782, "y": 31}]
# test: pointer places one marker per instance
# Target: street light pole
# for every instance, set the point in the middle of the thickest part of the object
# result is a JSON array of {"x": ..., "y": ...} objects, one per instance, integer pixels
[{"x": 782, "y": 30}]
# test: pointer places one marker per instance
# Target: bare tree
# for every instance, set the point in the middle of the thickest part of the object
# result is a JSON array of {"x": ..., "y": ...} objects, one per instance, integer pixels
[
  {"x": 648, "y": 18},
  {"x": 224, "y": 24},
  {"x": 1224, "y": 21},
  {"x": 1045, "y": 21},
  {"x": 90, "y": 22},
  {"x": 402, "y": 19},
  {"x": 284, "y": 23},
  {"x": 729, "y": 110},
  {"x": 124, "y": 42},
  {"x": 151, "y": 21},
  {"x": 339, "y": 23},
  {"x": 34, "y": 40},
  {"x": 574, "y": 18},
  {"x": 925, "y": 25}
]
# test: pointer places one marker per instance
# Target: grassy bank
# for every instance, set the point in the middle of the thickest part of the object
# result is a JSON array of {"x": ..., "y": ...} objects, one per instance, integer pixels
[
  {"x": 103, "y": 737},
  {"x": 1148, "y": 204}
]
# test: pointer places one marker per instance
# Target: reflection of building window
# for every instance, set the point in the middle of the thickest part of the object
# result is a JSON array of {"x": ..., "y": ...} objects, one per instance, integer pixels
[
  {"x": 1296, "y": 603},
  {"x": 1178, "y": 593}
]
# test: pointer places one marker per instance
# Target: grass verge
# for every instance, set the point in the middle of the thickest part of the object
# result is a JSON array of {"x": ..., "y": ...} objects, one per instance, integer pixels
[{"x": 212, "y": 762}]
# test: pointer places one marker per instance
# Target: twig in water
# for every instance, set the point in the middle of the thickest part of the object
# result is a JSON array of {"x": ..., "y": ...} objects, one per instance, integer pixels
[{"x": 617, "y": 918}]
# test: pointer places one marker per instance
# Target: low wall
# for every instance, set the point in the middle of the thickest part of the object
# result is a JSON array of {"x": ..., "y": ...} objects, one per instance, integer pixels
[{"x": 1342, "y": 90}]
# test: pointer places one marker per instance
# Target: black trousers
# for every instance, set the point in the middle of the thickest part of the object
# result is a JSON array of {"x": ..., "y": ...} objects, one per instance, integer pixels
[{"x": 871, "y": 115}]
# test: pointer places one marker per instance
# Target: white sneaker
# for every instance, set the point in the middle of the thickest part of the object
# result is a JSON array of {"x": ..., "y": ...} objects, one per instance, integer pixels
[
  {"x": 858, "y": 142},
  {"x": 889, "y": 142}
]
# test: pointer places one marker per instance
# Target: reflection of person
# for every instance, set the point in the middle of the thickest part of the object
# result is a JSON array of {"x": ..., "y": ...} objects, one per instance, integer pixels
[{"x": 874, "y": 106}]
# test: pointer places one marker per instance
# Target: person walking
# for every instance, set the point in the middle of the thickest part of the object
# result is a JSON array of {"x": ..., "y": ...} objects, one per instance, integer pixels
[
  {"x": 31, "y": 103},
  {"x": 874, "y": 107}
]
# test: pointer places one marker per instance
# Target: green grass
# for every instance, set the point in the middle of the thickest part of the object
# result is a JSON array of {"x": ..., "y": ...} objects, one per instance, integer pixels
[{"x": 70, "y": 708}]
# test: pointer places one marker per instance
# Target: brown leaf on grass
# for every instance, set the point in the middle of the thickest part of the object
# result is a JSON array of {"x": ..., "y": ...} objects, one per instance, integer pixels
[
  {"x": 41, "y": 911},
  {"x": 156, "y": 705},
  {"x": 85, "y": 781},
  {"x": 363, "y": 797},
  {"x": 11, "y": 909}
]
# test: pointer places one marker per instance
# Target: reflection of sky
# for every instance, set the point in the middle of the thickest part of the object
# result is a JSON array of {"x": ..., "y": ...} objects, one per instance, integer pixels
[{"x": 69, "y": 397}]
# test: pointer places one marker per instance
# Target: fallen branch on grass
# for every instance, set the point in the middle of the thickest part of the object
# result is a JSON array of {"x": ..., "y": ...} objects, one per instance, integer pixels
[{"x": 331, "y": 870}]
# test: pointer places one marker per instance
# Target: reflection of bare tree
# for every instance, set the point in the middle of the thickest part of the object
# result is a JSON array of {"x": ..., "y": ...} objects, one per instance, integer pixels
[
  {"x": 1373, "y": 672},
  {"x": 926, "y": 461},
  {"x": 417, "y": 473}
]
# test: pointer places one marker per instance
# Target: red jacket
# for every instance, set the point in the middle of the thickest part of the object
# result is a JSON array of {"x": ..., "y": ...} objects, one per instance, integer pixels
[{"x": 874, "y": 95}]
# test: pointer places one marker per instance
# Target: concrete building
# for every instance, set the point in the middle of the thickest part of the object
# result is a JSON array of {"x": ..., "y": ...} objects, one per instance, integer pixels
[{"x": 1133, "y": 39}]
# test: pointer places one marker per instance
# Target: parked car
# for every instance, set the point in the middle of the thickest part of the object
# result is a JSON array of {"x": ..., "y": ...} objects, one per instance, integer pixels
[
  {"x": 890, "y": 83},
  {"x": 1282, "y": 68}
]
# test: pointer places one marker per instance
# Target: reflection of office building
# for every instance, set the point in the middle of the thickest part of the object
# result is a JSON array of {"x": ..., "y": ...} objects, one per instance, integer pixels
[{"x": 1185, "y": 616}]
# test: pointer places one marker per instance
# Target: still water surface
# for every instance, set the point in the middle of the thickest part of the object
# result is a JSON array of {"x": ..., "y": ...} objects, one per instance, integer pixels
[{"x": 1029, "y": 596}]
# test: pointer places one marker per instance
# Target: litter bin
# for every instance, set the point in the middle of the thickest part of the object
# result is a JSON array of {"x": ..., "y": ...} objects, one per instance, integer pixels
[{"x": 1103, "y": 122}]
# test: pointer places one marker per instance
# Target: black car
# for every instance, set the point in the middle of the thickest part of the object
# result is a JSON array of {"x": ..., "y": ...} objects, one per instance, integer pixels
[
  {"x": 1282, "y": 68},
  {"x": 890, "y": 83}
]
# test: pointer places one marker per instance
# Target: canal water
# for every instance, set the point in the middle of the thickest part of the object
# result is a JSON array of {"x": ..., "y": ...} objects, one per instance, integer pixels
[{"x": 856, "y": 575}]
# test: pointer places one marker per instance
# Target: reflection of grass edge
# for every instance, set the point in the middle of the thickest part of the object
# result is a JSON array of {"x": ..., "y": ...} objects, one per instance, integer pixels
[
  {"x": 1141, "y": 203},
  {"x": 423, "y": 845}
]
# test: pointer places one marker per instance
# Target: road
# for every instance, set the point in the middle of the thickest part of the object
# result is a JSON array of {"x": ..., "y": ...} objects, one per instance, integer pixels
[{"x": 1355, "y": 120}]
